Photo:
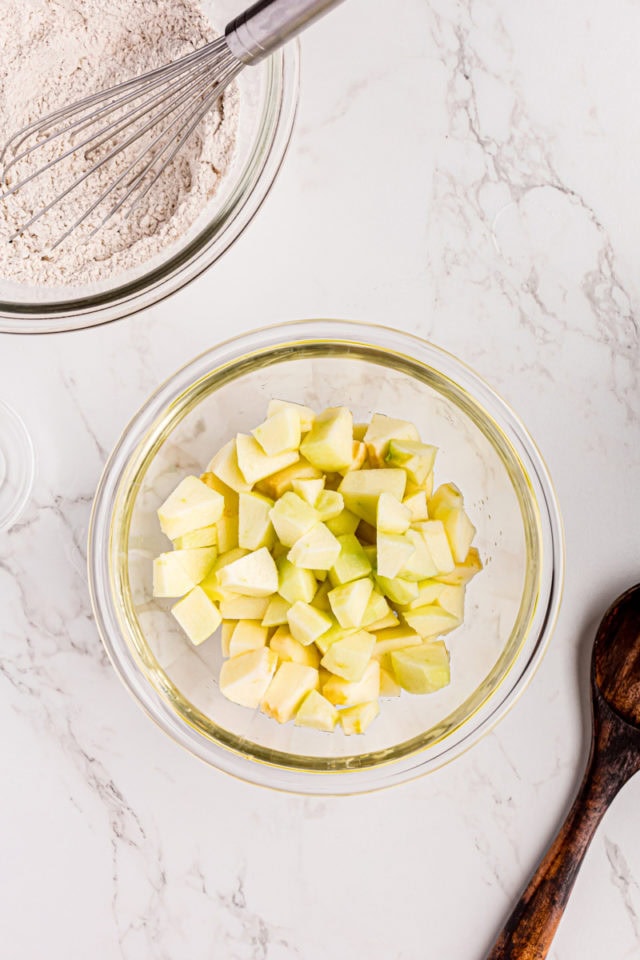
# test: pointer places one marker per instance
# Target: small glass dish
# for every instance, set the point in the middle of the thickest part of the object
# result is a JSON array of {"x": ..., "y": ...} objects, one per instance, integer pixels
[
  {"x": 511, "y": 605},
  {"x": 268, "y": 102},
  {"x": 17, "y": 466}
]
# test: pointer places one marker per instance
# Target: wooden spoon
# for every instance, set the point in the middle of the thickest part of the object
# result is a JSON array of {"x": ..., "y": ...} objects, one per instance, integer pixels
[{"x": 614, "y": 758}]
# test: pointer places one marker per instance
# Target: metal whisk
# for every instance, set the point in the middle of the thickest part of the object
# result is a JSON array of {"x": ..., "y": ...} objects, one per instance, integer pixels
[{"x": 158, "y": 111}]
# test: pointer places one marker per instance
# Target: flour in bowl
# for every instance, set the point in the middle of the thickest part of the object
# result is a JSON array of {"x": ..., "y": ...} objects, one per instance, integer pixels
[{"x": 54, "y": 53}]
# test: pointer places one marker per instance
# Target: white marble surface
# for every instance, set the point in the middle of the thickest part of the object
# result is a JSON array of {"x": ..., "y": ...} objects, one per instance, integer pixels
[{"x": 468, "y": 174}]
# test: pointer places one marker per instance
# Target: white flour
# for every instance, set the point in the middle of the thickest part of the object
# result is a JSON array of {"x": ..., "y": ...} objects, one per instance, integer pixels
[{"x": 56, "y": 51}]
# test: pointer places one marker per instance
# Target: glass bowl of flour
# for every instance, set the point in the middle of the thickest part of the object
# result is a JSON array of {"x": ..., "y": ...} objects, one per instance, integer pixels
[{"x": 199, "y": 207}]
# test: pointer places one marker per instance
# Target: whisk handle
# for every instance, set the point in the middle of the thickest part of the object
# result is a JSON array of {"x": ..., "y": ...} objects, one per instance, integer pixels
[{"x": 268, "y": 24}]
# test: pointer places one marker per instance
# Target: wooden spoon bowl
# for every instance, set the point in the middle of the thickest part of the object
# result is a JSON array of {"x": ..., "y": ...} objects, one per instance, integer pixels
[{"x": 613, "y": 759}]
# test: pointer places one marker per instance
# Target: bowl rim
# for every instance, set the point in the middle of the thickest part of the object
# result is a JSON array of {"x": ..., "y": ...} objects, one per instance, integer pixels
[
  {"x": 253, "y": 768},
  {"x": 186, "y": 264}
]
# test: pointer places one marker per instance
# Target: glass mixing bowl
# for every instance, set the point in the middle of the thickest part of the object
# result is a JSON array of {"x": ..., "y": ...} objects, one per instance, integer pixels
[
  {"x": 268, "y": 100},
  {"x": 511, "y": 605}
]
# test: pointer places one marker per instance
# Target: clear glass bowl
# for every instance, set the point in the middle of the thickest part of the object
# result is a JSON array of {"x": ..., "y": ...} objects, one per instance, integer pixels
[
  {"x": 511, "y": 606},
  {"x": 268, "y": 101},
  {"x": 17, "y": 466}
]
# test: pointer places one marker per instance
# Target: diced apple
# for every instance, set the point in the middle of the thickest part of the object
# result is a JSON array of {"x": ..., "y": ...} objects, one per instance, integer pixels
[
  {"x": 352, "y": 563},
  {"x": 282, "y": 481},
  {"x": 276, "y": 613},
  {"x": 214, "y": 591},
  {"x": 228, "y": 626},
  {"x": 389, "y": 686},
  {"x": 315, "y": 711},
  {"x": 307, "y": 623},
  {"x": 321, "y": 599},
  {"x": 244, "y": 608},
  {"x": 317, "y": 549},
  {"x": 428, "y": 592},
  {"x": 228, "y": 533},
  {"x": 416, "y": 458},
  {"x": 397, "y": 590},
  {"x": 359, "y": 457},
  {"x": 420, "y": 564},
  {"x": 430, "y": 621},
  {"x": 248, "y": 635},
  {"x": 179, "y": 571},
  {"x": 395, "y": 638},
  {"x": 361, "y": 490},
  {"x": 393, "y": 516},
  {"x": 344, "y": 693},
  {"x": 345, "y": 522},
  {"x": 308, "y": 490},
  {"x": 356, "y": 719},
  {"x": 254, "y": 463},
  {"x": 225, "y": 466},
  {"x": 253, "y": 576},
  {"x": 394, "y": 553},
  {"x": 305, "y": 414},
  {"x": 381, "y": 431},
  {"x": 359, "y": 430},
  {"x": 329, "y": 504},
  {"x": 245, "y": 680},
  {"x": 349, "y": 601},
  {"x": 463, "y": 572},
  {"x": 191, "y": 505},
  {"x": 435, "y": 537},
  {"x": 292, "y": 518},
  {"x": 321, "y": 575},
  {"x": 229, "y": 556},
  {"x": 294, "y": 583},
  {"x": 229, "y": 496},
  {"x": 203, "y": 537},
  {"x": 451, "y": 599},
  {"x": 415, "y": 500},
  {"x": 384, "y": 624},
  {"x": 377, "y": 609},
  {"x": 460, "y": 531},
  {"x": 255, "y": 529},
  {"x": 288, "y": 648},
  {"x": 280, "y": 433},
  {"x": 227, "y": 525},
  {"x": 329, "y": 443},
  {"x": 422, "y": 669},
  {"x": 348, "y": 658},
  {"x": 290, "y": 685},
  {"x": 446, "y": 496},
  {"x": 197, "y": 615},
  {"x": 335, "y": 633}
]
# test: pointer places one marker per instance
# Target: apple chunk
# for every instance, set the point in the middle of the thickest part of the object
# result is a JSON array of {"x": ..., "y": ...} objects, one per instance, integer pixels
[
  {"x": 361, "y": 490},
  {"x": 315, "y": 711},
  {"x": 192, "y": 505},
  {"x": 292, "y": 518},
  {"x": 345, "y": 693},
  {"x": 245, "y": 679},
  {"x": 381, "y": 431},
  {"x": 280, "y": 433},
  {"x": 178, "y": 571},
  {"x": 329, "y": 443},
  {"x": 357, "y": 719},
  {"x": 290, "y": 685},
  {"x": 348, "y": 658},
  {"x": 254, "y": 463},
  {"x": 306, "y": 623},
  {"x": 317, "y": 549},
  {"x": 198, "y": 616},
  {"x": 422, "y": 669},
  {"x": 349, "y": 602},
  {"x": 255, "y": 575}
]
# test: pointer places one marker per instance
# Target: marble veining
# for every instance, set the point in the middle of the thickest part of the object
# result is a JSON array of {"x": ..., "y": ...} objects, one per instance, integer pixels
[{"x": 464, "y": 170}]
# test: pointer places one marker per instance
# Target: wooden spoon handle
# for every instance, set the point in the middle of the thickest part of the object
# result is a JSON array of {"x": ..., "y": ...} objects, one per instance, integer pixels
[{"x": 529, "y": 931}]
